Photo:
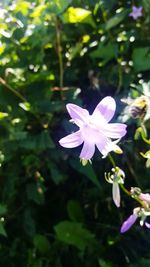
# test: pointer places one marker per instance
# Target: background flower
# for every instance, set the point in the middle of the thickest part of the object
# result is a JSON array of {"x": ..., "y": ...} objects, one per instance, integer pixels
[{"x": 136, "y": 12}]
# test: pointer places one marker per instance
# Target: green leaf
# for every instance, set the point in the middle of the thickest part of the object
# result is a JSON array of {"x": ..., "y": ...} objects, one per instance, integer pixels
[
  {"x": 41, "y": 243},
  {"x": 114, "y": 21},
  {"x": 2, "y": 230},
  {"x": 56, "y": 175},
  {"x": 103, "y": 263},
  {"x": 35, "y": 193},
  {"x": 3, "y": 209},
  {"x": 59, "y": 6},
  {"x": 105, "y": 51},
  {"x": 38, "y": 142},
  {"x": 75, "y": 212},
  {"x": 88, "y": 171},
  {"x": 74, "y": 234},
  {"x": 141, "y": 58},
  {"x": 29, "y": 222},
  {"x": 141, "y": 263},
  {"x": 146, "y": 5}
]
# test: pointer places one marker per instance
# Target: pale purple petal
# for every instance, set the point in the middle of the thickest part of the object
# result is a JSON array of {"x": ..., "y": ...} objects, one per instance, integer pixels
[
  {"x": 115, "y": 130},
  {"x": 71, "y": 140},
  {"x": 145, "y": 197},
  {"x": 105, "y": 108},
  {"x": 78, "y": 114},
  {"x": 116, "y": 194},
  {"x": 105, "y": 146},
  {"x": 128, "y": 223},
  {"x": 87, "y": 151},
  {"x": 147, "y": 225}
]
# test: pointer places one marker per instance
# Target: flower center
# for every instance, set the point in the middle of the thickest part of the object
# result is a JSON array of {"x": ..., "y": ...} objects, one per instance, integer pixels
[{"x": 90, "y": 132}]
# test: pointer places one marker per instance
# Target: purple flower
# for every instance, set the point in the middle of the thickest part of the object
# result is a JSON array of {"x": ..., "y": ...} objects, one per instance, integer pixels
[
  {"x": 138, "y": 212},
  {"x": 94, "y": 130},
  {"x": 128, "y": 223},
  {"x": 136, "y": 12}
]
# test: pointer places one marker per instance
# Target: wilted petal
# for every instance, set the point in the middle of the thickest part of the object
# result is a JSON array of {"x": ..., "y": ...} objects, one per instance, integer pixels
[
  {"x": 106, "y": 108},
  {"x": 116, "y": 194},
  {"x": 78, "y": 114},
  {"x": 87, "y": 151},
  {"x": 115, "y": 130},
  {"x": 71, "y": 140},
  {"x": 128, "y": 223}
]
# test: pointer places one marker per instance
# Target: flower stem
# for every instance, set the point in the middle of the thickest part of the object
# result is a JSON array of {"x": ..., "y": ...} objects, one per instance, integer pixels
[
  {"x": 3, "y": 82},
  {"x": 22, "y": 98},
  {"x": 121, "y": 185},
  {"x": 60, "y": 58},
  {"x": 125, "y": 190},
  {"x": 111, "y": 160}
]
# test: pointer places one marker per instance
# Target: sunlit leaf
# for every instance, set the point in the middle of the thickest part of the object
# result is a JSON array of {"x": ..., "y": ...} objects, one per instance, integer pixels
[
  {"x": 25, "y": 106},
  {"x": 38, "y": 10},
  {"x": 3, "y": 115},
  {"x": 78, "y": 15}
]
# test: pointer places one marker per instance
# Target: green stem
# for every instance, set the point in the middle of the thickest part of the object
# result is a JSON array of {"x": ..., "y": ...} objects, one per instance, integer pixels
[
  {"x": 125, "y": 190},
  {"x": 60, "y": 58},
  {"x": 3, "y": 82},
  {"x": 104, "y": 15},
  {"x": 114, "y": 165},
  {"x": 111, "y": 160},
  {"x": 22, "y": 98}
]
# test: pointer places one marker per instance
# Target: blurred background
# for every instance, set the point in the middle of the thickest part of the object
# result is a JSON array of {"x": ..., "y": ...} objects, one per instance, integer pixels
[{"x": 54, "y": 212}]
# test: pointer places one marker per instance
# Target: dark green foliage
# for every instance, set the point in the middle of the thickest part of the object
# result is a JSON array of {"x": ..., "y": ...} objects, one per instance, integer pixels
[{"x": 53, "y": 211}]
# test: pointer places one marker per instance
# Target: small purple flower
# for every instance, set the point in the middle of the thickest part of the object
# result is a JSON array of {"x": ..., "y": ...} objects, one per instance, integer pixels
[
  {"x": 136, "y": 12},
  {"x": 128, "y": 223},
  {"x": 140, "y": 213},
  {"x": 94, "y": 130}
]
